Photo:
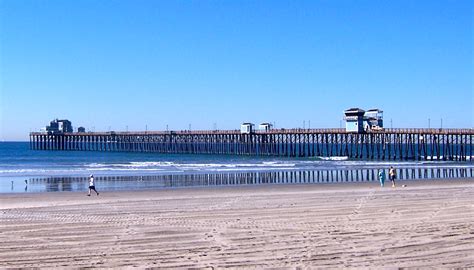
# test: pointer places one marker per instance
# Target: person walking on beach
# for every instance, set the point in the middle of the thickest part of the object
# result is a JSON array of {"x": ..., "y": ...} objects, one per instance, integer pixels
[
  {"x": 382, "y": 177},
  {"x": 392, "y": 174},
  {"x": 91, "y": 185}
]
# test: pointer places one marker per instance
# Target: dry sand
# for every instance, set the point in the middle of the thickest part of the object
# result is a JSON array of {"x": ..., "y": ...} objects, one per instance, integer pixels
[{"x": 427, "y": 224}]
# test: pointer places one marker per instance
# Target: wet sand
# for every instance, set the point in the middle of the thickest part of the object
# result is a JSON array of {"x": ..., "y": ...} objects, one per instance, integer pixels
[{"x": 426, "y": 224}]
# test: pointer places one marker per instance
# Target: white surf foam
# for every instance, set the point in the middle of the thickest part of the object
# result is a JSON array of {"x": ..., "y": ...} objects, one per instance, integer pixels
[{"x": 337, "y": 158}]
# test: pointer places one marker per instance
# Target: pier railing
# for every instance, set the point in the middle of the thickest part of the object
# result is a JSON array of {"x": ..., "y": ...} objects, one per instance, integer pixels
[{"x": 466, "y": 131}]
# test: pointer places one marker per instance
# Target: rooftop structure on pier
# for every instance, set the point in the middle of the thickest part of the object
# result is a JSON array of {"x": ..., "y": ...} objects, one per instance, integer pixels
[
  {"x": 247, "y": 128},
  {"x": 373, "y": 119},
  {"x": 265, "y": 126},
  {"x": 359, "y": 120},
  {"x": 59, "y": 126},
  {"x": 354, "y": 120}
]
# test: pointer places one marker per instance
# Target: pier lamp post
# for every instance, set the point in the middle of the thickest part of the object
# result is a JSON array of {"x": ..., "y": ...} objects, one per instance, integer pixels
[
  {"x": 429, "y": 123},
  {"x": 441, "y": 123}
]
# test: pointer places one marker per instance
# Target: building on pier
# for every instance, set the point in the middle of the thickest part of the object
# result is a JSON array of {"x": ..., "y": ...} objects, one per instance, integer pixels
[
  {"x": 247, "y": 128},
  {"x": 354, "y": 120},
  {"x": 59, "y": 126},
  {"x": 359, "y": 120},
  {"x": 373, "y": 119},
  {"x": 81, "y": 129},
  {"x": 265, "y": 126}
]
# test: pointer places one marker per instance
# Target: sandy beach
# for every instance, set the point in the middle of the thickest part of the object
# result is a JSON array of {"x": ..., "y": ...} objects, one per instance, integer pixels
[{"x": 426, "y": 224}]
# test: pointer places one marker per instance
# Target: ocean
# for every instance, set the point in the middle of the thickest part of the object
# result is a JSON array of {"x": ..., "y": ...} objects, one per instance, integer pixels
[{"x": 25, "y": 170}]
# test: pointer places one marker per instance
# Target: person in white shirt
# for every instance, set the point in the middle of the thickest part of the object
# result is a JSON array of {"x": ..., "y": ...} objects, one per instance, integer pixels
[{"x": 92, "y": 186}]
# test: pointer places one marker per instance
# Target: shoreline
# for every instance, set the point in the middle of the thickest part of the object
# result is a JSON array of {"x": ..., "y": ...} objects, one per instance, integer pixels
[
  {"x": 426, "y": 224},
  {"x": 253, "y": 178}
]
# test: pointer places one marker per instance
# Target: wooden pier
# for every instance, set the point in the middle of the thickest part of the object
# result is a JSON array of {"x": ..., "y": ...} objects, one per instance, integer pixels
[{"x": 389, "y": 144}]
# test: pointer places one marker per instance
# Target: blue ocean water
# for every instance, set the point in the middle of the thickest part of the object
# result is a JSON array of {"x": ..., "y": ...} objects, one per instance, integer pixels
[{"x": 18, "y": 163}]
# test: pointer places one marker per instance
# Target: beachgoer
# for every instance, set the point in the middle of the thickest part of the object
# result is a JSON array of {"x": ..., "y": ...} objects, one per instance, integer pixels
[
  {"x": 382, "y": 177},
  {"x": 393, "y": 175},
  {"x": 92, "y": 186}
]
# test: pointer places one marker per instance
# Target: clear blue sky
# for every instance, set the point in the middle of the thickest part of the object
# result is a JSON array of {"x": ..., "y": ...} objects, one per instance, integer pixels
[{"x": 112, "y": 64}]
